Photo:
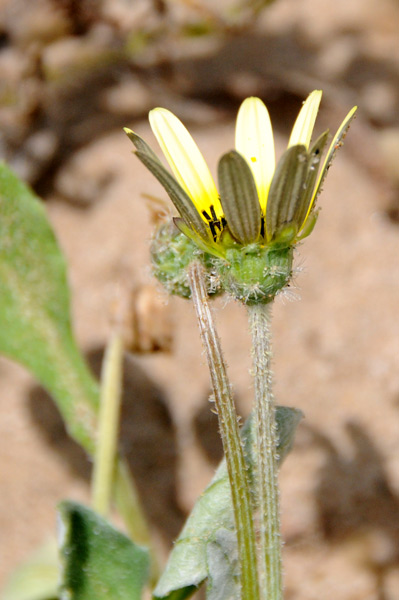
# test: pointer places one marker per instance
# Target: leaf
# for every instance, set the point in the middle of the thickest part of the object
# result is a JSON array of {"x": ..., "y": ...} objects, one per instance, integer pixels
[
  {"x": 35, "y": 327},
  {"x": 222, "y": 554},
  {"x": 37, "y": 578},
  {"x": 187, "y": 567},
  {"x": 98, "y": 562}
]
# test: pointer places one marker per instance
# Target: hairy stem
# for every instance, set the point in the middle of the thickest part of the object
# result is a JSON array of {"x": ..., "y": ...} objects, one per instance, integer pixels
[
  {"x": 228, "y": 426},
  {"x": 268, "y": 491},
  {"x": 108, "y": 426}
]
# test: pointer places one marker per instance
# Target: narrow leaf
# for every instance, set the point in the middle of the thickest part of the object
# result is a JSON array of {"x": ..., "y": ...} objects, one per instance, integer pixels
[
  {"x": 98, "y": 562},
  {"x": 286, "y": 189},
  {"x": 187, "y": 567},
  {"x": 239, "y": 197}
]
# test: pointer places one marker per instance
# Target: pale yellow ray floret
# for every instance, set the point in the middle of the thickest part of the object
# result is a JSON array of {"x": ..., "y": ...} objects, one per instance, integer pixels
[
  {"x": 254, "y": 140},
  {"x": 304, "y": 124},
  {"x": 283, "y": 195},
  {"x": 334, "y": 146},
  {"x": 185, "y": 160}
]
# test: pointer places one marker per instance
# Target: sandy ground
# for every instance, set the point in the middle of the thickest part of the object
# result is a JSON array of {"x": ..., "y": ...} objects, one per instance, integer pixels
[{"x": 336, "y": 350}]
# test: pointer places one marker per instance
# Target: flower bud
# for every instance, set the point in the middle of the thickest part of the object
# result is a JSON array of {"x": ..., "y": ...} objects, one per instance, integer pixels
[{"x": 171, "y": 253}]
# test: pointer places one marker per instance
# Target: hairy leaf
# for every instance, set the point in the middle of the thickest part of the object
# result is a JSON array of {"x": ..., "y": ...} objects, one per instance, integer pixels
[
  {"x": 98, "y": 562},
  {"x": 35, "y": 327},
  {"x": 187, "y": 567}
]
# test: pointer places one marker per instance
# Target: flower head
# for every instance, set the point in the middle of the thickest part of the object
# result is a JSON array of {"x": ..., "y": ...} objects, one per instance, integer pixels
[
  {"x": 262, "y": 208},
  {"x": 258, "y": 201}
]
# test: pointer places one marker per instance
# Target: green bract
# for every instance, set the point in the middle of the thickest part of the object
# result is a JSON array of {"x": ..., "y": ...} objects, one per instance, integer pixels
[{"x": 254, "y": 273}]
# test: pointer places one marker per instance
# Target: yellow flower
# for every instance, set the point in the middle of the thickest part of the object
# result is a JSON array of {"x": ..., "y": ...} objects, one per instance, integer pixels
[{"x": 258, "y": 201}]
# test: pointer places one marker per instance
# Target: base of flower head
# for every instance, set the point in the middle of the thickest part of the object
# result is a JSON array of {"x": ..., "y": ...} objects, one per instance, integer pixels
[
  {"x": 171, "y": 253},
  {"x": 254, "y": 274}
]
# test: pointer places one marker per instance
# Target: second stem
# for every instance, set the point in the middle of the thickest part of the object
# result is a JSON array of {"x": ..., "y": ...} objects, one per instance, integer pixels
[
  {"x": 268, "y": 491},
  {"x": 230, "y": 435}
]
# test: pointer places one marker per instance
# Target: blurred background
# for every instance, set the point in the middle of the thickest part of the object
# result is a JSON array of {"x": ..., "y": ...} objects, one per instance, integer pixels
[{"x": 72, "y": 74}]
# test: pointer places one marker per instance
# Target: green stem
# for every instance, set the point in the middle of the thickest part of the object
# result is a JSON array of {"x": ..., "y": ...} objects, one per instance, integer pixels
[
  {"x": 76, "y": 394},
  {"x": 228, "y": 426},
  {"x": 111, "y": 474},
  {"x": 108, "y": 426},
  {"x": 268, "y": 491}
]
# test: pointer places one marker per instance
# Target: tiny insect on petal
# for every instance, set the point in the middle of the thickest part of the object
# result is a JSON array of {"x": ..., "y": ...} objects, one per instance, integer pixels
[
  {"x": 254, "y": 140},
  {"x": 304, "y": 124},
  {"x": 337, "y": 142},
  {"x": 315, "y": 155},
  {"x": 185, "y": 160}
]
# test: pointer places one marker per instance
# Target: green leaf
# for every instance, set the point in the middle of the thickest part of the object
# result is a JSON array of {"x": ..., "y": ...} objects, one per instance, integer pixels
[
  {"x": 37, "y": 578},
  {"x": 239, "y": 197},
  {"x": 98, "y": 562},
  {"x": 222, "y": 554},
  {"x": 35, "y": 327},
  {"x": 187, "y": 567}
]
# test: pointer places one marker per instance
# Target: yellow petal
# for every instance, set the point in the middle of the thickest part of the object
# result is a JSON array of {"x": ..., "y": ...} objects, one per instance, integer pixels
[
  {"x": 304, "y": 124},
  {"x": 254, "y": 140},
  {"x": 337, "y": 142},
  {"x": 185, "y": 160}
]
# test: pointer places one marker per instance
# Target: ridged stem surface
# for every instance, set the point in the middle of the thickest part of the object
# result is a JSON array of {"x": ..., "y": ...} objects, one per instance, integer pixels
[
  {"x": 268, "y": 490},
  {"x": 229, "y": 431}
]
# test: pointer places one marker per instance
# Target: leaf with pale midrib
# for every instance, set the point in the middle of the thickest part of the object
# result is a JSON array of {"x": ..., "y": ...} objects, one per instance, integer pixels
[{"x": 98, "y": 562}]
